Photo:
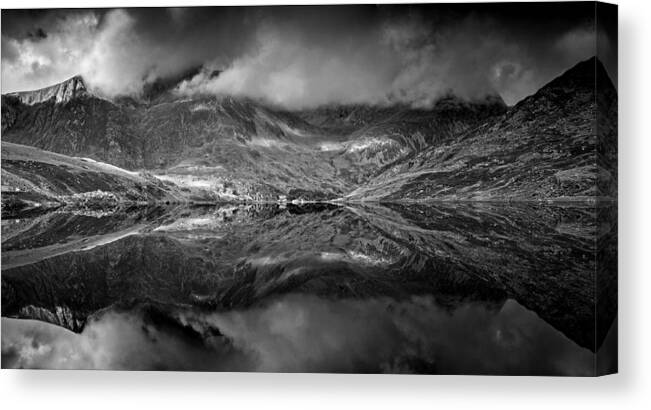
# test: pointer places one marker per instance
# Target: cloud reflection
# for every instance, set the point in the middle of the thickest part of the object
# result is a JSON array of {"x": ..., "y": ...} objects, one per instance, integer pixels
[{"x": 300, "y": 333}]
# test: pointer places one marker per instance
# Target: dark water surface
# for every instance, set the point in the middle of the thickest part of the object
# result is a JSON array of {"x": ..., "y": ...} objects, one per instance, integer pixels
[{"x": 449, "y": 288}]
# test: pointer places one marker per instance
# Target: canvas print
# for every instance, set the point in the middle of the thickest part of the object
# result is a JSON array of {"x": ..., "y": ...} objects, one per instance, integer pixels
[{"x": 425, "y": 189}]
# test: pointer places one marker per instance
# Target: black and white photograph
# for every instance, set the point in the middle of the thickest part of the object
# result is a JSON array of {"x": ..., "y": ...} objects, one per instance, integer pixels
[{"x": 422, "y": 188}]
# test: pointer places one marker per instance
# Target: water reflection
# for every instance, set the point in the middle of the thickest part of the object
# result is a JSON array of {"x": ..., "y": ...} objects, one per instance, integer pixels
[{"x": 458, "y": 288}]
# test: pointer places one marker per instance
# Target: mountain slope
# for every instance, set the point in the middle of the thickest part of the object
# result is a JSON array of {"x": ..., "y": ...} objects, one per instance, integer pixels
[
  {"x": 236, "y": 147},
  {"x": 552, "y": 145},
  {"x": 60, "y": 93},
  {"x": 389, "y": 135},
  {"x": 545, "y": 147},
  {"x": 67, "y": 119},
  {"x": 33, "y": 178},
  {"x": 257, "y": 151}
]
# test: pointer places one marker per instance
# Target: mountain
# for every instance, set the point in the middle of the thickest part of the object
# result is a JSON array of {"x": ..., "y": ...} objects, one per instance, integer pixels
[
  {"x": 351, "y": 117},
  {"x": 60, "y": 93},
  {"x": 161, "y": 89},
  {"x": 560, "y": 143},
  {"x": 229, "y": 145},
  {"x": 33, "y": 179},
  {"x": 70, "y": 120},
  {"x": 390, "y": 135},
  {"x": 152, "y": 91},
  {"x": 240, "y": 148}
]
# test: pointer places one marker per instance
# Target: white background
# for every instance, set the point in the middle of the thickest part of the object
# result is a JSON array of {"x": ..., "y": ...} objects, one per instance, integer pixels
[{"x": 631, "y": 388}]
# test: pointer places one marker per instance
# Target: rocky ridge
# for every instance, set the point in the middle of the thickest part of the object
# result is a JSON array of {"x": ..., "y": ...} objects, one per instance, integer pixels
[{"x": 60, "y": 93}]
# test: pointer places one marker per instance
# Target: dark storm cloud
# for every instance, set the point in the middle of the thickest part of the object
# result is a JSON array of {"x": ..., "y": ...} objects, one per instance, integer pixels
[{"x": 305, "y": 56}]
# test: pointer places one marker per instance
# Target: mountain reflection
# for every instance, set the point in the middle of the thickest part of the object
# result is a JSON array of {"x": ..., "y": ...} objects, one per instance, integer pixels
[{"x": 446, "y": 288}]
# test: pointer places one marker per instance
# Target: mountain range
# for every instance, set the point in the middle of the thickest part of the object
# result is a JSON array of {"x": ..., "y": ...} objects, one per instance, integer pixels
[{"x": 558, "y": 144}]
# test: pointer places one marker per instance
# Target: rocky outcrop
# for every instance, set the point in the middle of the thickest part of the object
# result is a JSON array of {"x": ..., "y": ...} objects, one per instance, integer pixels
[{"x": 59, "y": 93}]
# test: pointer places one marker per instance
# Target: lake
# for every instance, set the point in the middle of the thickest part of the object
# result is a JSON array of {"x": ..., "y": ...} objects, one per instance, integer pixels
[{"x": 449, "y": 288}]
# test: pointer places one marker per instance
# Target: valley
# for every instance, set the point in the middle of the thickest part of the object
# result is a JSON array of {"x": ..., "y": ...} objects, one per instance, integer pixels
[{"x": 227, "y": 149}]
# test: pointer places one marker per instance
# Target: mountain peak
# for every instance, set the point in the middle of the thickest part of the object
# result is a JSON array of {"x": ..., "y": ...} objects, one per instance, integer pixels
[
  {"x": 61, "y": 92},
  {"x": 582, "y": 75},
  {"x": 161, "y": 86}
]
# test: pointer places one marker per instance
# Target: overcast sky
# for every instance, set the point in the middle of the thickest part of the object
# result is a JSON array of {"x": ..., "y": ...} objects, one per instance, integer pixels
[{"x": 301, "y": 57}]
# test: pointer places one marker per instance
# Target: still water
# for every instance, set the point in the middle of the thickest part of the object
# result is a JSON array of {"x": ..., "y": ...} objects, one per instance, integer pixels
[{"x": 448, "y": 288}]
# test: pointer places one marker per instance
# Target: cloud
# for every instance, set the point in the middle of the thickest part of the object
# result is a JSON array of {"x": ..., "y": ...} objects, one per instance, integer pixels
[
  {"x": 31, "y": 62},
  {"x": 401, "y": 61},
  {"x": 307, "y": 333},
  {"x": 301, "y": 57},
  {"x": 116, "y": 340},
  {"x": 116, "y": 51}
]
